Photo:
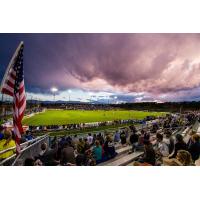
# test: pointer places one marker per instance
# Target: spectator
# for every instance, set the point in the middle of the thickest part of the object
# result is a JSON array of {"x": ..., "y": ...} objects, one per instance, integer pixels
[
  {"x": 169, "y": 141},
  {"x": 75, "y": 141},
  {"x": 94, "y": 139},
  {"x": 80, "y": 160},
  {"x": 97, "y": 152},
  {"x": 81, "y": 146},
  {"x": 134, "y": 140},
  {"x": 183, "y": 158},
  {"x": 194, "y": 148},
  {"x": 117, "y": 137},
  {"x": 109, "y": 148},
  {"x": 162, "y": 149},
  {"x": 6, "y": 143},
  {"x": 54, "y": 142},
  {"x": 89, "y": 138},
  {"x": 86, "y": 144},
  {"x": 149, "y": 156},
  {"x": 48, "y": 156},
  {"x": 123, "y": 137},
  {"x": 1, "y": 133},
  {"x": 180, "y": 145},
  {"x": 67, "y": 155}
]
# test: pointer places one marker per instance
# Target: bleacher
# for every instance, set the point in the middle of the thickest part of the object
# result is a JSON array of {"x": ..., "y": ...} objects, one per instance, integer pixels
[{"x": 124, "y": 155}]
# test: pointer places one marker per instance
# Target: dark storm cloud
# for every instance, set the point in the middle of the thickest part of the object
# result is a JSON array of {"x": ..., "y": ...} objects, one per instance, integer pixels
[{"x": 153, "y": 63}]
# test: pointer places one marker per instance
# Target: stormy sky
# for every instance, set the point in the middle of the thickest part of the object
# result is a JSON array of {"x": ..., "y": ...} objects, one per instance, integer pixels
[{"x": 129, "y": 67}]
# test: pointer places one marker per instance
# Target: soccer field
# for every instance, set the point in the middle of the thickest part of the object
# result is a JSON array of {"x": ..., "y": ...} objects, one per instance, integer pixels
[{"x": 62, "y": 117}]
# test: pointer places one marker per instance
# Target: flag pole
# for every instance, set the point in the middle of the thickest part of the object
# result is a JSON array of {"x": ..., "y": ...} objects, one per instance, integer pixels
[{"x": 9, "y": 65}]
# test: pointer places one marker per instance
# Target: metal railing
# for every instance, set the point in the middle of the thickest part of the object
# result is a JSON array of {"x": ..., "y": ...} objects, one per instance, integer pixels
[{"x": 29, "y": 149}]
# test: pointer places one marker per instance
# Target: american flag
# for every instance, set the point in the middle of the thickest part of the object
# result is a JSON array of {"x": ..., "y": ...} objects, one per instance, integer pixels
[{"x": 13, "y": 85}]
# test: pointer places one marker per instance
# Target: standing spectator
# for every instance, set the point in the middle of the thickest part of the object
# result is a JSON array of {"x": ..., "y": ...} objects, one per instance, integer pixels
[
  {"x": 194, "y": 148},
  {"x": 134, "y": 140}
]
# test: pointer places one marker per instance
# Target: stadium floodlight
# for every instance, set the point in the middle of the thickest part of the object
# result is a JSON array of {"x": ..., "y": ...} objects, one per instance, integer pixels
[
  {"x": 69, "y": 92},
  {"x": 115, "y": 99},
  {"x": 54, "y": 90}
]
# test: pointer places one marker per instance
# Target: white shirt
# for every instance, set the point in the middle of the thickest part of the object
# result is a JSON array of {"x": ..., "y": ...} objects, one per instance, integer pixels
[
  {"x": 163, "y": 149},
  {"x": 90, "y": 139}
]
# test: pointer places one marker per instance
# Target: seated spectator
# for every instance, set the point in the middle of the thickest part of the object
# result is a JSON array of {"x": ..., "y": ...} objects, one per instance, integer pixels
[
  {"x": 81, "y": 146},
  {"x": 169, "y": 141},
  {"x": 48, "y": 156},
  {"x": 149, "y": 156},
  {"x": 6, "y": 143},
  {"x": 183, "y": 158},
  {"x": 94, "y": 139},
  {"x": 100, "y": 138},
  {"x": 76, "y": 140},
  {"x": 161, "y": 148},
  {"x": 194, "y": 148},
  {"x": 146, "y": 135},
  {"x": 54, "y": 142},
  {"x": 28, "y": 135},
  {"x": 191, "y": 133},
  {"x": 117, "y": 137},
  {"x": 133, "y": 129},
  {"x": 86, "y": 144},
  {"x": 90, "y": 161},
  {"x": 180, "y": 145},
  {"x": 67, "y": 155},
  {"x": 80, "y": 160},
  {"x": 123, "y": 137},
  {"x": 109, "y": 148},
  {"x": 97, "y": 152},
  {"x": 1, "y": 133}
]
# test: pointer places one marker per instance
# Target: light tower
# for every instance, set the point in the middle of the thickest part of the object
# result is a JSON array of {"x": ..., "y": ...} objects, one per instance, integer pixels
[
  {"x": 54, "y": 90},
  {"x": 69, "y": 92}
]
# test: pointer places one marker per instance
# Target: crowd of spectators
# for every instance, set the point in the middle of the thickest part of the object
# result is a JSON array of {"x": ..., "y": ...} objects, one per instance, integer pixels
[
  {"x": 82, "y": 126},
  {"x": 159, "y": 142}
]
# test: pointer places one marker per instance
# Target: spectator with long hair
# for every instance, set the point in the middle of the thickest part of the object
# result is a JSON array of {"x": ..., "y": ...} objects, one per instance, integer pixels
[
  {"x": 194, "y": 148},
  {"x": 183, "y": 158},
  {"x": 180, "y": 145}
]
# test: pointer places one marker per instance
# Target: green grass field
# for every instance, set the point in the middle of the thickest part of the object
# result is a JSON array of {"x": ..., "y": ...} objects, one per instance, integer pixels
[{"x": 61, "y": 117}]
